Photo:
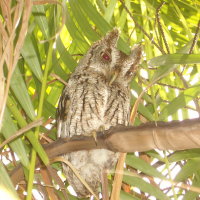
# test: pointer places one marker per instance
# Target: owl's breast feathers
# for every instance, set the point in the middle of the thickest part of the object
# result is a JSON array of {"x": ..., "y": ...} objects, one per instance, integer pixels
[{"x": 82, "y": 105}]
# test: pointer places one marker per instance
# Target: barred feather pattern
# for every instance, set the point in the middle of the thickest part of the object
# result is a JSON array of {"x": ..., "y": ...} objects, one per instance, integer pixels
[{"x": 89, "y": 102}]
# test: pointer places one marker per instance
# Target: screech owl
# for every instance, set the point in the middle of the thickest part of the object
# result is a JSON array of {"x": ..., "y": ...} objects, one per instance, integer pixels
[{"x": 97, "y": 95}]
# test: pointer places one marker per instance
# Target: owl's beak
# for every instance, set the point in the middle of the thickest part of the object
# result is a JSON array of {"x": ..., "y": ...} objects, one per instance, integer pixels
[{"x": 113, "y": 77}]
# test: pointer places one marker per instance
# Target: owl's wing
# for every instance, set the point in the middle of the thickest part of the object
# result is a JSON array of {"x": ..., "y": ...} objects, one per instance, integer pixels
[{"x": 62, "y": 113}]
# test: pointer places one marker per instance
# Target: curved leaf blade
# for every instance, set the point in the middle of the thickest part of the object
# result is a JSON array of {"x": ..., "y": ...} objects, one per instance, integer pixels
[
  {"x": 6, "y": 187},
  {"x": 173, "y": 59},
  {"x": 145, "y": 187},
  {"x": 20, "y": 90},
  {"x": 8, "y": 129}
]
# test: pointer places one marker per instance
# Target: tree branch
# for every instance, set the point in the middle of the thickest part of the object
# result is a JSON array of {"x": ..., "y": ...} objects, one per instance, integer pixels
[
  {"x": 174, "y": 135},
  {"x": 164, "y": 136}
]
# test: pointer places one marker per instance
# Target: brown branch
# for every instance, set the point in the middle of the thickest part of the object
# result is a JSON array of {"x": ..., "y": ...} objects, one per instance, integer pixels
[
  {"x": 160, "y": 25},
  {"x": 11, "y": 43},
  {"x": 21, "y": 131},
  {"x": 170, "y": 86},
  {"x": 195, "y": 38},
  {"x": 194, "y": 41},
  {"x": 117, "y": 183},
  {"x": 58, "y": 78},
  {"x": 165, "y": 136}
]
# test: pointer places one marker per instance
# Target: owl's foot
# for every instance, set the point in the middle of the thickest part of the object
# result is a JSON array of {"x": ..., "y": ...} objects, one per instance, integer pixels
[{"x": 94, "y": 133}]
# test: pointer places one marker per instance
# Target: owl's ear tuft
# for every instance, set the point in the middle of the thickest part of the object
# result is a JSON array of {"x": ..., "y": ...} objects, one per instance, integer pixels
[
  {"x": 112, "y": 37},
  {"x": 133, "y": 60},
  {"x": 136, "y": 54}
]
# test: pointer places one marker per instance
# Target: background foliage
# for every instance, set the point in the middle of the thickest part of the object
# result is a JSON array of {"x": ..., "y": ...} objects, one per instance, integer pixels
[{"x": 37, "y": 84}]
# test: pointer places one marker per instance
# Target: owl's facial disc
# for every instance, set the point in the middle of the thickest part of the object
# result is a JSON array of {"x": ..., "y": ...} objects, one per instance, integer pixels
[{"x": 106, "y": 55}]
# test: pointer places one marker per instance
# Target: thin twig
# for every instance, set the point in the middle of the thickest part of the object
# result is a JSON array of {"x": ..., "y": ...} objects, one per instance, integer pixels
[
  {"x": 61, "y": 159},
  {"x": 58, "y": 78},
  {"x": 57, "y": 180},
  {"x": 77, "y": 54},
  {"x": 23, "y": 31},
  {"x": 11, "y": 53},
  {"x": 170, "y": 86},
  {"x": 187, "y": 86},
  {"x": 160, "y": 26},
  {"x": 194, "y": 41},
  {"x": 104, "y": 183},
  {"x": 22, "y": 131},
  {"x": 135, "y": 107},
  {"x": 141, "y": 28},
  {"x": 157, "y": 34},
  {"x": 47, "y": 179},
  {"x": 43, "y": 185},
  {"x": 195, "y": 38},
  {"x": 118, "y": 177}
]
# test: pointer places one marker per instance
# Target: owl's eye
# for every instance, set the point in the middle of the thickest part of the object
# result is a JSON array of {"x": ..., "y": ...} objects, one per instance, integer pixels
[{"x": 105, "y": 56}]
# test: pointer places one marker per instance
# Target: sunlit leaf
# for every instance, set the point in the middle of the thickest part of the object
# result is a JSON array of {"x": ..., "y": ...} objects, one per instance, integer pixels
[
  {"x": 30, "y": 53},
  {"x": 191, "y": 167},
  {"x": 184, "y": 155},
  {"x": 143, "y": 166},
  {"x": 175, "y": 59},
  {"x": 82, "y": 21},
  {"x": 110, "y": 10},
  {"x": 40, "y": 17},
  {"x": 179, "y": 102},
  {"x": 196, "y": 183},
  {"x": 19, "y": 88},
  {"x": 145, "y": 187},
  {"x": 9, "y": 128},
  {"x": 7, "y": 190}
]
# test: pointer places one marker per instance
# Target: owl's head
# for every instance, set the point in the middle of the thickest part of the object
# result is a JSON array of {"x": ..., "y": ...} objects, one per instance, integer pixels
[
  {"x": 100, "y": 56},
  {"x": 103, "y": 57},
  {"x": 125, "y": 66}
]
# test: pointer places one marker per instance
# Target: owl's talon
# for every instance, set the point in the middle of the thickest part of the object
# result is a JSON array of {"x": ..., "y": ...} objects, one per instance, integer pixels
[
  {"x": 101, "y": 128},
  {"x": 94, "y": 134}
]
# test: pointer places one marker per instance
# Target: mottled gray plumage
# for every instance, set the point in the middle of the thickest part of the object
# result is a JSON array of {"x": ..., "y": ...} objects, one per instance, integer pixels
[{"x": 97, "y": 95}]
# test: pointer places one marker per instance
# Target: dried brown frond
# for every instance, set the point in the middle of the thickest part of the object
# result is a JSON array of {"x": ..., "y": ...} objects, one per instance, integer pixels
[{"x": 14, "y": 18}]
